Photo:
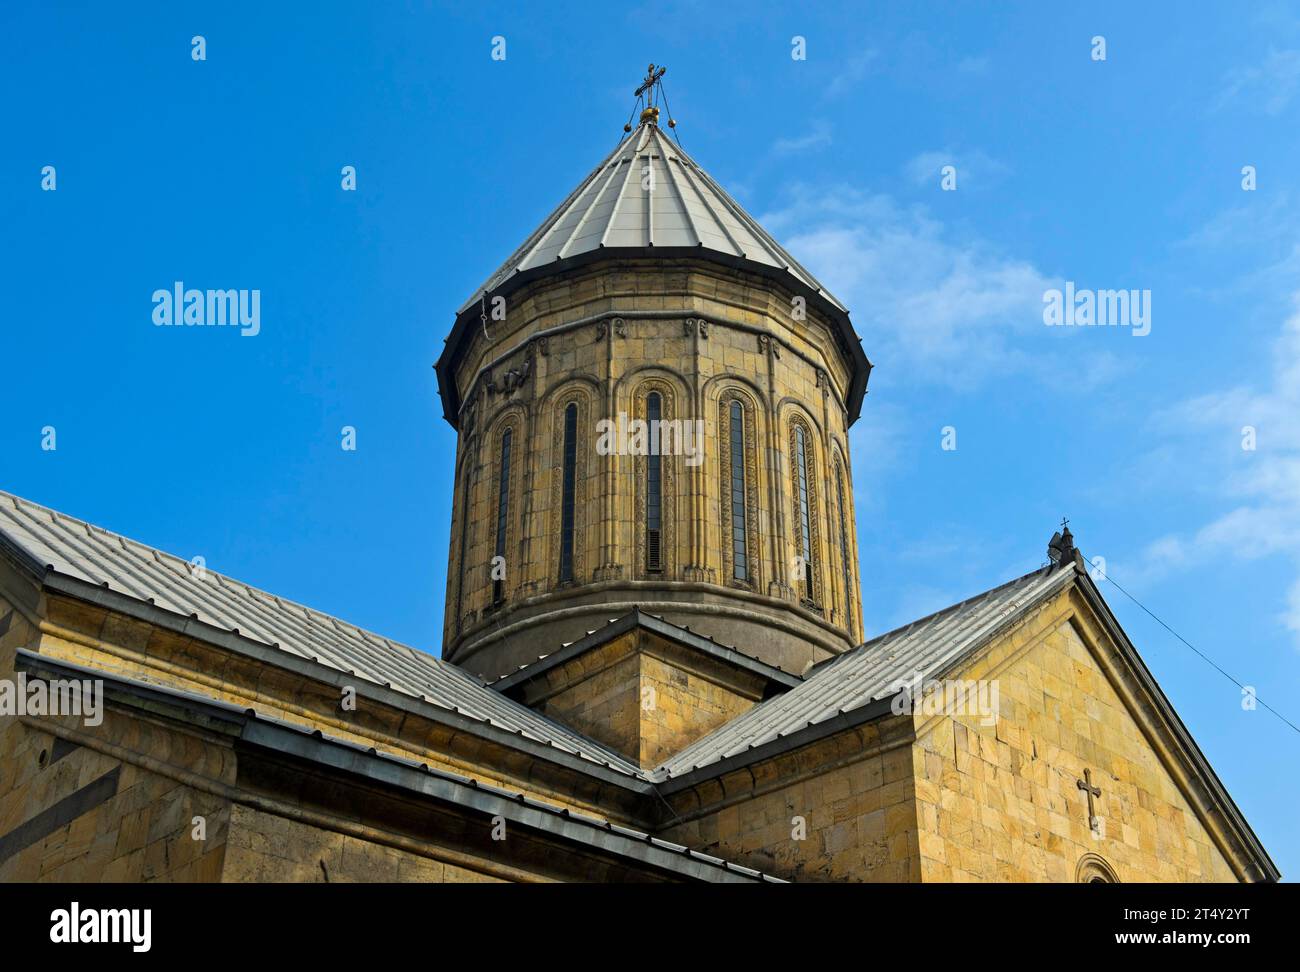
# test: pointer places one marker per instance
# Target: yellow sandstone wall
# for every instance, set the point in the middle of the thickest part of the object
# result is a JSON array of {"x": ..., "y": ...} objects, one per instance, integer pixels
[
  {"x": 265, "y": 847},
  {"x": 142, "y": 830},
  {"x": 854, "y": 792},
  {"x": 1001, "y": 802},
  {"x": 680, "y": 703},
  {"x": 643, "y": 696}
]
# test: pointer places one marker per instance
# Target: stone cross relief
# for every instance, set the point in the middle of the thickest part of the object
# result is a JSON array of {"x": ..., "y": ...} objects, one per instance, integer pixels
[{"x": 1086, "y": 784}]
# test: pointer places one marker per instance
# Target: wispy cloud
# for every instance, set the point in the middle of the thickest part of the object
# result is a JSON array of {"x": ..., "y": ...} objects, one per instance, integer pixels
[
  {"x": 973, "y": 166},
  {"x": 855, "y": 69},
  {"x": 1261, "y": 485},
  {"x": 819, "y": 136},
  {"x": 939, "y": 307},
  {"x": 1268, "y": 86},
  {"x": 1259, "y": 220}
]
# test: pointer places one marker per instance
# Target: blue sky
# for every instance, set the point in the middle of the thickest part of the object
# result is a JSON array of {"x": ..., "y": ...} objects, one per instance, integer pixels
[{"x": 1123, "y": 173}]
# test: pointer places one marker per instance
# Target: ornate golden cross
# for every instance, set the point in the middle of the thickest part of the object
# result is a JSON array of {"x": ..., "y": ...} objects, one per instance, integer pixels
[{"x": 652, "y": 77}]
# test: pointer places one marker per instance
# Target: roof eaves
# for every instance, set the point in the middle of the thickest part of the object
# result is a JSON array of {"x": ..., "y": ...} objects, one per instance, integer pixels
[
  {"x": 466, "y": 318},
  {"x": 281, "y": 737},
  {"x": 22, "y": 557},
  {"x": 606, "y": 768},
  {"x": 667, "y": 784}
]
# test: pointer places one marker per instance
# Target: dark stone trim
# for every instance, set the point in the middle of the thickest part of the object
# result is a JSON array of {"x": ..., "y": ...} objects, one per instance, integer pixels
[{"x": 60, "y": 814}]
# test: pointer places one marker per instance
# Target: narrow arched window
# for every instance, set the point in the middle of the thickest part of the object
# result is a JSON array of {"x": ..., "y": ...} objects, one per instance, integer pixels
[
  {"x": 805, "y": 515},
  {"x": 654, "y": 496},
  {"x": 503, "y": 513},
  {"x": 844, "y": 550},
  {"x": 739, "y": 534},
  {"x": 567, "y": 492}
]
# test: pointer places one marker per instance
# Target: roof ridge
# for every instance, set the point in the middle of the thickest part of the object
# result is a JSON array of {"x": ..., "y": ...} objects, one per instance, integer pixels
[{"x": 903, "y": 628}]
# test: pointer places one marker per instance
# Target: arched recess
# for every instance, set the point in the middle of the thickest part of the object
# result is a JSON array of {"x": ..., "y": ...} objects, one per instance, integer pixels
[
  {"x": 738, "y": 492},
  {"x": 633, "y": 376},
  {"x": 571, "y": 446},
  {"x": 846, "y": 546},
  {"x": 505, "y": 460},
  {"x": 674, "y": 411},
  {"x": 806, "y": 473},
  {"x": 1093, "y": 869},
  {"x": 566, "y": 384}
]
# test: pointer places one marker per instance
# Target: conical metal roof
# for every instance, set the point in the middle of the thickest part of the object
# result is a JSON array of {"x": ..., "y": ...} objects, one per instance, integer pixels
[
  {"x": 649, "y": 194},
  {"x": 646, "y": 198}
]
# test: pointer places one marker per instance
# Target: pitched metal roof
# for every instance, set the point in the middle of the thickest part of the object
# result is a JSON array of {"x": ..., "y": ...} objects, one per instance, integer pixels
[
  {"x": 873, "y": 672},
  {"x": 649, "y": 193},
  {"x": 72, "y": 548}
]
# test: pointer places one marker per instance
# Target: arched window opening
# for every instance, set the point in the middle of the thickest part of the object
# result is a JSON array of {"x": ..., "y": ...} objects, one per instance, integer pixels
[
  {"x": 567, "y": 491},
  {"x": 739, "y": 543},
  {"x": 503, "y": 512},
  {"x": 805, "y": 515},
  {"x": 654, "y": 488},
  {"x": 844, "y": 550}
]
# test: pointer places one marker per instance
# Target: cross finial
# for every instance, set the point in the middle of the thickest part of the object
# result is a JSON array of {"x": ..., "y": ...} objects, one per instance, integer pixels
[
  {"x": 1061, "y": 550},
  {"x": 653, "y": 80}
]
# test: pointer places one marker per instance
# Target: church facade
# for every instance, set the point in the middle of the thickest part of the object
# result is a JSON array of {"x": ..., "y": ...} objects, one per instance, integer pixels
[{"x": 655, "y": 665}]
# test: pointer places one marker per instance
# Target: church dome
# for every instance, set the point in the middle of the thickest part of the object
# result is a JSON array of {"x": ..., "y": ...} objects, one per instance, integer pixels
[{"x": 649, "y": 301}]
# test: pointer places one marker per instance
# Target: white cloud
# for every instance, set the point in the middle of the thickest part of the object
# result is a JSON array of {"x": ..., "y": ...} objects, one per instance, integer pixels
[
  {"x": 935, "y": 306},
  {"x": 855, "y": 69},
  {"x": 1263, "y": 485},
  {"x": 1291, "y": 616},
  {"x": 974, "y": 168},
  {"x": 1268, "y": 86},
  {"x": 819, "y": 136}
]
